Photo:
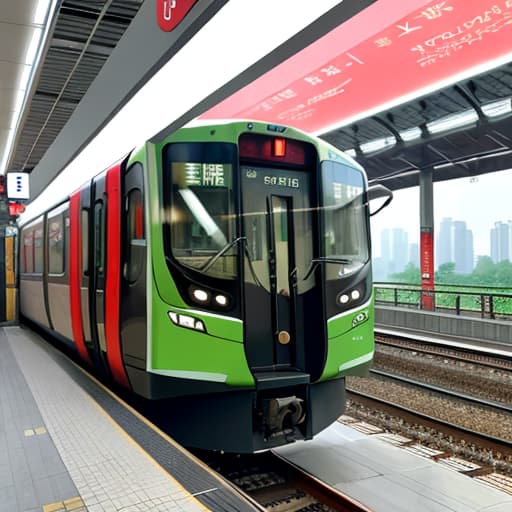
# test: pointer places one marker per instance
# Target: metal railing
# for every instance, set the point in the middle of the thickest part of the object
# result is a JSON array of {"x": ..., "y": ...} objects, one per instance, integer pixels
[{"x": 491, "y": 303}]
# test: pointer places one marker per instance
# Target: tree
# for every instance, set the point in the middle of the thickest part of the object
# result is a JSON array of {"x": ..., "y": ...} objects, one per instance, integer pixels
[
  {"x": 503, "y": 274},
  {"x": 446, "y": 273},
  {"x": 485, "y": 271},
  {"x": 410, "y": 275}
]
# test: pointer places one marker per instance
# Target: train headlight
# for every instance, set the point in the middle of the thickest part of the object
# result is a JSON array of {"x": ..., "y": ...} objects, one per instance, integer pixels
[
  {"x": 356, "y": 294},
  {"x": 200, "y": 295},
  {"x": 352, "y": 296},
  {"x": 209, "y": 297},
  {"x": 221, "y": 300},
  {"x": 187, "y": 321},
  {"x": 343, "y": 299}
]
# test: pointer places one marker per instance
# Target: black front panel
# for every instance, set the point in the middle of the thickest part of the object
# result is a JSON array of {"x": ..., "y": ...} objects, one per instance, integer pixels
[{"x": 280, "y": 226}]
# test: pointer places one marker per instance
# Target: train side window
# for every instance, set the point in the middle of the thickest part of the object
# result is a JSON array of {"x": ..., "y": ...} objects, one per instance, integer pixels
[
  {"x": 135, "y": 235},
  {"x": 85, "y": 241},
  {"x": 27, "y": 254},
  {"x": 38, "y": 251},
  {"x": 56, "y": 244}
]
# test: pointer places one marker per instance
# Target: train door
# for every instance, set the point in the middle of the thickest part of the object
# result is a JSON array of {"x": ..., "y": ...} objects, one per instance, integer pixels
[
  {"x": 279, "y": 226},
  {"x": 86, "y": 270},
  {"x": 98, "y": 268},
  {"x": 133, "y": 284}
]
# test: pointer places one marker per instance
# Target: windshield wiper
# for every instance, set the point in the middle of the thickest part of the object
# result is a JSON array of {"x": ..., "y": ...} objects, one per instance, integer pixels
[
  {"x": 321, "y": 260},
  {"x": 209, "y": 264}
]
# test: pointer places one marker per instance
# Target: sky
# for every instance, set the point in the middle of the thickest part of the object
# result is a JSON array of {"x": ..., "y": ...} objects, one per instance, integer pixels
[{"x": 480, "y": 201}]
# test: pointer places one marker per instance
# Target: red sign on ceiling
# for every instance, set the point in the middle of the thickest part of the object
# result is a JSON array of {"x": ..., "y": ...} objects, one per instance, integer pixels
[
  {"x": 169, "y": 13},
  {"x": 389, "y": 50}
]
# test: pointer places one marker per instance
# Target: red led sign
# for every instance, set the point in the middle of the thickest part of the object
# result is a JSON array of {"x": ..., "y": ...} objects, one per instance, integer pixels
[{"x": 388, "y": 50}]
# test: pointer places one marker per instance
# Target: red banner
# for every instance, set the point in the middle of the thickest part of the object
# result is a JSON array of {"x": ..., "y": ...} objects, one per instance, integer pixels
[
  {"x": 169, "y": 13},
  {"x": 427, "y": 268},
  {"x": 388, "y": 50}
]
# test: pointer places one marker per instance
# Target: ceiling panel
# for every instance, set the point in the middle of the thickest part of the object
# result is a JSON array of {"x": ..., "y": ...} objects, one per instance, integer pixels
[
  {"x": 85, "y": 33},
  {"x": 20, "y": 12},
  {"x": 14, "y": 41}
]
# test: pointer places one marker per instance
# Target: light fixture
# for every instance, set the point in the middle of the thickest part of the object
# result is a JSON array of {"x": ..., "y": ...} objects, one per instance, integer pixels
[
  {"x": 187, "y": 321},
  {"x": 39, "y": 34},
  {"x": 356, "y": 294},
  {"x": 200, "y": 295},
  {"x": 452, "y": 121},
  {"x": 411, "y": 134},
  {"x": 221, "y": 300},
  {"x": 343, "y": 299},
  {"x": 376, "y": 144},
  {"x": 497, "y": 108}
]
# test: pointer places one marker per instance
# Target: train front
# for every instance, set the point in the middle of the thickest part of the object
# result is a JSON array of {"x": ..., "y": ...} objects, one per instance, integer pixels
[{"x": 261, "y": 295}]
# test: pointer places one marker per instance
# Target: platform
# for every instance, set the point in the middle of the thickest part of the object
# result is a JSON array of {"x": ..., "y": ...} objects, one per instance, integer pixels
[
  {"x": 68, "y": 444},
  {"x": 387, "y": 478}
]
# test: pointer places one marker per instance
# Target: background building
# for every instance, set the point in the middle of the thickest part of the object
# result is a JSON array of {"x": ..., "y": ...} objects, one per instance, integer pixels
[
  {"x": 455, "y": 244},
  {"x": 501, "y": 241}
]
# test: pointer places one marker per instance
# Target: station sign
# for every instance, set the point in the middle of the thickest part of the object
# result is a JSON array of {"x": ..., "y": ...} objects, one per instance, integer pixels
[
  {"x": 169, "y": 13},
  {"x": 18, "y": 185}
]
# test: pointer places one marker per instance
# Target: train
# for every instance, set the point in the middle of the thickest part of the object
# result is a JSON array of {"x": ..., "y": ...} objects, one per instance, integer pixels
[{"x": 223, "y": 272}]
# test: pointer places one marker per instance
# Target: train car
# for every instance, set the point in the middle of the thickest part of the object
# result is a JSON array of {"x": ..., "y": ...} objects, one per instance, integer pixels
[{"x": 224, "y": 271}]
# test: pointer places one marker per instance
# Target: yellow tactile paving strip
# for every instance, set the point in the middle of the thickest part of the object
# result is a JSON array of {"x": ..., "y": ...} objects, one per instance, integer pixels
[{"x": 71, "y": 505}]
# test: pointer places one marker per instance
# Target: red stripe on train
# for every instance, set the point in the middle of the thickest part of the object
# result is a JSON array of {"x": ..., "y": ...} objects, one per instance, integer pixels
[
  {"x": 75, "y": 272},
  {"x": 113, "y": 280}
]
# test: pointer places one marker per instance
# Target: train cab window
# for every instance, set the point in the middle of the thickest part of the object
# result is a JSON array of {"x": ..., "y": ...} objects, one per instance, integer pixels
[
  {"x": 27, "y": 252},
  {"x": 56, "y": 244},
  {"x": 84, "y": 225},
  {"x": 134, "y": 236},
  {"x": 345, "y": 223},
  {"x": 200, "y": 198},
  {"x": 38, "y": 250}
]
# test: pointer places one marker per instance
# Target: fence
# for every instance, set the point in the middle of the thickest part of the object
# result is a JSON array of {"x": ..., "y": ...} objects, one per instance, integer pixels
[{"x": 493, "y": 303}]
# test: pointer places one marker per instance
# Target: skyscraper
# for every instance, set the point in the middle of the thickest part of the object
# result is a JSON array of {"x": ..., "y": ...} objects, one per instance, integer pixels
[
  {"x": 462, "y": 247},
  {"x": 394, "y": 245},
  {"x": 455, "y": 244},
  {"x": 444, "y": 242},
  {"x": 501, "y": 241}
]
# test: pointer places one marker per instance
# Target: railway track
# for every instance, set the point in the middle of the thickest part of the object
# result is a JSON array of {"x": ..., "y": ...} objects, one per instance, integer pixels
[
  {"x": 476, "y": 356},
  {"x": 473, "y": 400},
  {"x": 432, "y": 421},
  {"x": 461, "y": 350},
  {"x": 276, "y": 485},
  {"x": 447, "y": 428}
]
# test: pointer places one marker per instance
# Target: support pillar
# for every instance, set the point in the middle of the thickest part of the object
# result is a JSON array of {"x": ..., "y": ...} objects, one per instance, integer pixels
[{"x": 427, "y": 239}]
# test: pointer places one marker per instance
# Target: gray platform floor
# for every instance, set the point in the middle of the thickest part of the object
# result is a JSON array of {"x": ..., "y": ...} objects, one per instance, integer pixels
[
  {"x": 387, "y": 478},
  {"x": 61, "y": 451}
]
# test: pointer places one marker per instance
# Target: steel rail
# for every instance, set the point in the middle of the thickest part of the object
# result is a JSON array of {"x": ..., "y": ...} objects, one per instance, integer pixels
[
  {"x": 471, "y": 347},
  {"x": 444, "y": 391}
]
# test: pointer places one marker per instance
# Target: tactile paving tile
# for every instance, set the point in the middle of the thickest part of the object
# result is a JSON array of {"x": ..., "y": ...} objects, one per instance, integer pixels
[
  {"x": 366, "y": 428},
  {"x": 458, "y": 464},
  {"x": 394, "y": 439},
  {"x": 423, "y": 451},
  {"x": 501, "y": 482}
]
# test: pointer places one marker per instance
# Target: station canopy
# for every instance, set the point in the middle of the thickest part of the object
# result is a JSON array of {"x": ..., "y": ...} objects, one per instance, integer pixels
[
  {"x": 362, "y": 87},
  {"x": 402, "y": 86}
]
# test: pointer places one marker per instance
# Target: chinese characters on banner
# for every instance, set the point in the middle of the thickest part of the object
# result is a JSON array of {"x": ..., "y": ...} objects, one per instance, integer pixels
[
  {"x": 427, "y": 268},
  {"x": 373, "y": 58}
]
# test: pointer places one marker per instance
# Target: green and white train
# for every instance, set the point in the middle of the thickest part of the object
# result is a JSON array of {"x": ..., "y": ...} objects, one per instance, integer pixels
[{"x": 224, "y": 271}]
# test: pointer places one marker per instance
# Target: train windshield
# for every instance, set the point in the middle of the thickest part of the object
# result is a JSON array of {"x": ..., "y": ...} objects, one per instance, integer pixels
[
  {"x": 345, "y": 222},
  {"x": 202, "y": 219}
]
